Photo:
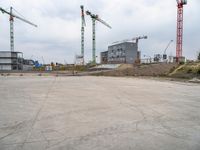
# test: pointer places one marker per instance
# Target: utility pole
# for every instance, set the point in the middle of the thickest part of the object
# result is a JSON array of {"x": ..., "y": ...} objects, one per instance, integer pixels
[{"x": 94, "y": 19}]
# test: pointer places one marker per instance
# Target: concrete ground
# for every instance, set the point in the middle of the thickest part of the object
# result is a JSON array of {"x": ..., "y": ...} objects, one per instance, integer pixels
[{"x": 98, "y": 113}]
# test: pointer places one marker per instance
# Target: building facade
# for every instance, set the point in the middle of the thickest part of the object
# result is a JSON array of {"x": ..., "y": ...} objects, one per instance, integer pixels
[
  {"x": 104, "y": 57},
  {"x": 11, "y": 60},
  {"x": 126, "y": 52}
]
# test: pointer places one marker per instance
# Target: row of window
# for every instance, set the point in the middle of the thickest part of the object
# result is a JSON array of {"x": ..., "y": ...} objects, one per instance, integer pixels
[
  {"x": 122, "y": 59},
  {"x": 116, "y": 50},
  {"x": 110, "y": 57},
  {"x": 119, "y": 52}
]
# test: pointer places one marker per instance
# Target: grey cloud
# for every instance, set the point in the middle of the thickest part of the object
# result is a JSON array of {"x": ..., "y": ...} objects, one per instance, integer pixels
[{"x": 58, "y": 36}]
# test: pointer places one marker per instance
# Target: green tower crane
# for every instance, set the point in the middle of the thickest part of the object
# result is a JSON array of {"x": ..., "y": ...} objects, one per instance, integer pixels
[{"x": 94, "y": 19}]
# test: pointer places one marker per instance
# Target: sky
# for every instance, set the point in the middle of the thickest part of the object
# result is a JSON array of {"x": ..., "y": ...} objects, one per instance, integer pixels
[{"x": 58, "y": 35}]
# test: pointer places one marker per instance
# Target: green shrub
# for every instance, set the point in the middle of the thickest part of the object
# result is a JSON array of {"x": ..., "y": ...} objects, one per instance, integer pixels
[
  {"x": 181, "y": 69},
  {"x": 172, "y": 69},
  {"x": 189, "y": 70},
  {"x": 198, "y": 57},
  {"x": 181, "y": 63},
  {"x": 198, "y": 71}
]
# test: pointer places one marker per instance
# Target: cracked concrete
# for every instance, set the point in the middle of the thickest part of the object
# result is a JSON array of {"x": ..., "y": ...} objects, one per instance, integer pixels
[{"x": 98, "y": 113}]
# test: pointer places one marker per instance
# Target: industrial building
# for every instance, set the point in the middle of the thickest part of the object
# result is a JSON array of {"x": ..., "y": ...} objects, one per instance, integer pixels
[
  {"x": 11, "y": 60},
  {"x": 125, "y": 52},
  {"x": 104, "y": 57},
  {"x": 14, "y": 61}
]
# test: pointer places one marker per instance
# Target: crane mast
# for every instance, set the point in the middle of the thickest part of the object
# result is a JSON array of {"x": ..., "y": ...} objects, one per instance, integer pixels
[
  {"x": 83, "y": 24},
  {"x": 12, "y": 16},
  {"x": 11, "y": 30},
  {"x": 94, "y": 40},
  {"x": 138, "y": 52},
  {"x": 94, "y": 19},
  {"x": 179, "y": 37}
]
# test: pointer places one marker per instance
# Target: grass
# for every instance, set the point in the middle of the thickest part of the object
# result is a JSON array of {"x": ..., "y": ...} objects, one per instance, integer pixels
[{"x": 188, "y": 70}]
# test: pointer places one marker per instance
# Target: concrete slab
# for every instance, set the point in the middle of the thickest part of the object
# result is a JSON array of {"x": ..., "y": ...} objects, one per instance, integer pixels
[{"x": 98, "y": 113}]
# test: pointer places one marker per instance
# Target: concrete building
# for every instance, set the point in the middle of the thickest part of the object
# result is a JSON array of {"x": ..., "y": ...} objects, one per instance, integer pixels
[
  {"x": 28, "y": 64},
  {"x": 11, "y": 60},
  {"x": 126, "y": 52},
  {"x": 104, "y": 57}
]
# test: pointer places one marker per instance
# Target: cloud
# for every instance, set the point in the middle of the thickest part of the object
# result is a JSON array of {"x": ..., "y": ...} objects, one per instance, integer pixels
[{"x": 57, "y": 37}]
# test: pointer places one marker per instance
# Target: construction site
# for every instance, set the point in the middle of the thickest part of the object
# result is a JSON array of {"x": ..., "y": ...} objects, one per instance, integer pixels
[{"x": 112, "y": 91}]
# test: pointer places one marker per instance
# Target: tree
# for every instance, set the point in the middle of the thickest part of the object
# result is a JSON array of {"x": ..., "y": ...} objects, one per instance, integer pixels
[{"x": 198, "y": 57}]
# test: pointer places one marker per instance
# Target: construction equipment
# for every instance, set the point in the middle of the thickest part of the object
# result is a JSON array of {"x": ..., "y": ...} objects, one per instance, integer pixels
[
  {"x": 164, "y": 54},
  {"x": 179, "y": 40},
  {"x": 12, "y": 16},
  {"x": 94, "y": 19},
  {"x": 138, "y": 52},
  {"x": 157, "y": 58},
  {"x": 136, "y": 39},
  {"x": 139, "y": 38},
  {"x": 83, "y": 24}
]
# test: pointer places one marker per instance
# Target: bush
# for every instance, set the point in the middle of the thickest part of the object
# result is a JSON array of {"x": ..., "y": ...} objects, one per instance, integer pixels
[
  {"x": 172, "y": 69},
  {"x": 181, "y": 63},
  {"x": 198, "y": 57},
  {"x": 189, "y": 70},
  {"x": 198, "y": 71},
  {"x": 180, "y": 69}
]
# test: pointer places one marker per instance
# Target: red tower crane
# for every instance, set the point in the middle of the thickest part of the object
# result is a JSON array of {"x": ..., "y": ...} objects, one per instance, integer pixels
[{"x": 179, "y": 37}]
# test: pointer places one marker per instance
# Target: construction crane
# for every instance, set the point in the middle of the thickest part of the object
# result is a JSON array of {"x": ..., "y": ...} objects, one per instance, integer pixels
[
  {"x": 83, "y": 24},
  {"x": 94, "y": 19},
  {"x": 179, "y": 37},
  {"x": 139, "y": 38},
  {"x": 164, "y": 54},
  {"x": 136, "y": 39},
  {"x": 12, "y": 16}
]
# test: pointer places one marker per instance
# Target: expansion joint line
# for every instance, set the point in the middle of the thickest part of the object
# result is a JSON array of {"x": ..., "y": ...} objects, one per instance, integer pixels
[{"x": 38, "y": 112}]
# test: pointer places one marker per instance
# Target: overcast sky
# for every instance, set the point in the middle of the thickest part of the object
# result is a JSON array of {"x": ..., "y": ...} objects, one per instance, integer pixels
[{"x": 57, "y": 37}]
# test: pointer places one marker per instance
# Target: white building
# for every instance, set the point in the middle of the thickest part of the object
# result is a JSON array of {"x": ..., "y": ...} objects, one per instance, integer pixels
[{"x": 11, "y": 60}]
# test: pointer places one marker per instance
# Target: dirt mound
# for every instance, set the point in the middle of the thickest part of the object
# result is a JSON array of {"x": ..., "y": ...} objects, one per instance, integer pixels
[{"x": 161, "y": 69}]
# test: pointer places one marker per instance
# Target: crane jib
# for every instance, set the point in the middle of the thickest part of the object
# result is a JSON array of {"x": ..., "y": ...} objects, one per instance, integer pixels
[{"x": 15, "y": 16}]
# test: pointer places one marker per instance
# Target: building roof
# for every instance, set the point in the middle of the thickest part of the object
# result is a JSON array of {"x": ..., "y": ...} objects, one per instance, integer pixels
[
  {"x": 120, "y": 43},
  {"x": 10, "y": 52}
]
